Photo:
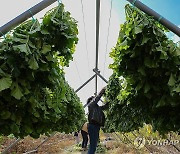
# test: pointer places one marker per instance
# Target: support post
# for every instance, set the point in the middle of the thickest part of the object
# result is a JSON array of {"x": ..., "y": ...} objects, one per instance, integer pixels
[
  {"x": 96, "y": 85},
  {"x": 98, "y": 73},
  {"x": 97, "y": 30},
  {"x": 172, "y": 27},
  {"x": 97, "y": 40},
  {"x": 24, "y": 16}
]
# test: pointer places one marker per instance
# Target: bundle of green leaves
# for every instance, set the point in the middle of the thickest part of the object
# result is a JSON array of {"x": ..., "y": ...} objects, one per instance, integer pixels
[
  {"x": 34, "y": 96},
  {"x": 147, "y": 67}
]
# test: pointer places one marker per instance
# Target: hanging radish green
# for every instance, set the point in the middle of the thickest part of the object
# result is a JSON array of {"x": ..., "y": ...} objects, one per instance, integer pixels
[
  {"x": 34, "y": 96},
  {"x": 149, "y": 65}
]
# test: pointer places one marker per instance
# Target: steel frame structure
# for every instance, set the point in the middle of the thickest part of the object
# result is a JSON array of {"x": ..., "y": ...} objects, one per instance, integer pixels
[{"x": 45, "y": 3}]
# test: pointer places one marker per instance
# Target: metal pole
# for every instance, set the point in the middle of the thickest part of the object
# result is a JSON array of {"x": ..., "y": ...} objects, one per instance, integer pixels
[
  {"x": 98, "y": 73},
  {"x": 97, "y": 29},
  {"x": 85, "y": 83},
  {"x": 96, "y": 85},
  {"x": 97, "y": 40},
  {"x": 12, "y": 145},
  {"x": 157, "y": 16},
  {"x": 24, "y": 16}
]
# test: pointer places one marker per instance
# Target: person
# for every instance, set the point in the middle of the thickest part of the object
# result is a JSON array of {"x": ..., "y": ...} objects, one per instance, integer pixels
[
  {"x": 84, "y": 133},
  {"x": 76, "y": 135},
  {"x": 96, "y": 119}
]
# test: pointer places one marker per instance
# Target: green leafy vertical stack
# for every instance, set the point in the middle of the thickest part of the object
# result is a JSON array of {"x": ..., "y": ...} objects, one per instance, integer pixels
[
  {"x": 34, "y": 96},
  {"x": 149, "y": 64}
]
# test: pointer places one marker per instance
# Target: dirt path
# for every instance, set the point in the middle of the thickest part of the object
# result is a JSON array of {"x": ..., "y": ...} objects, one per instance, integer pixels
[{"x": 66, "y": 144}]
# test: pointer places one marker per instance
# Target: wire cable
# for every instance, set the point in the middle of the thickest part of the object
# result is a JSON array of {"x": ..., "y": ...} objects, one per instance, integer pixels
[
  {"x": 78, "y": 71},
  {"x": 160, "y": 18},
  {"x": 107, "y": 41},
  {"x": 3, "y": 35},
  {"x": 87, "y": 55},
  {"x": 59, "y": 1},
  {"x": 33, "y": 19},
  {"x": 133, "y": 3}
]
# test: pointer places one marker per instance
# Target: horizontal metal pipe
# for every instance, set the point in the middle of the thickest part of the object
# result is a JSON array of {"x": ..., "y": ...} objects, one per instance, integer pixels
[
  {"x": 24, "y": 16},
  {"x": 172, "y": 27}
]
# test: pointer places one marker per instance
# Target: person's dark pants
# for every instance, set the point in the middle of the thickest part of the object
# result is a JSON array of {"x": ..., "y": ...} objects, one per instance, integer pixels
[
  {"x": 93, "y": 131},
  {"x": 85, "y": 139}
]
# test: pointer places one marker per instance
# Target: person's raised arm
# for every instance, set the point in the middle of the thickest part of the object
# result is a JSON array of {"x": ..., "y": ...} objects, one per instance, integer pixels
[{"x": 98, "y": 97}]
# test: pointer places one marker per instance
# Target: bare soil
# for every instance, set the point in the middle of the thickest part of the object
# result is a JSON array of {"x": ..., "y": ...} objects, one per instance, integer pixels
[{"x": 66, "y": 144}]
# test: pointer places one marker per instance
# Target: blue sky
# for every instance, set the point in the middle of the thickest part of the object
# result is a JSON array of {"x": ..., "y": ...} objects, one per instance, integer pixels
[{"x": 170, "y": 9}]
